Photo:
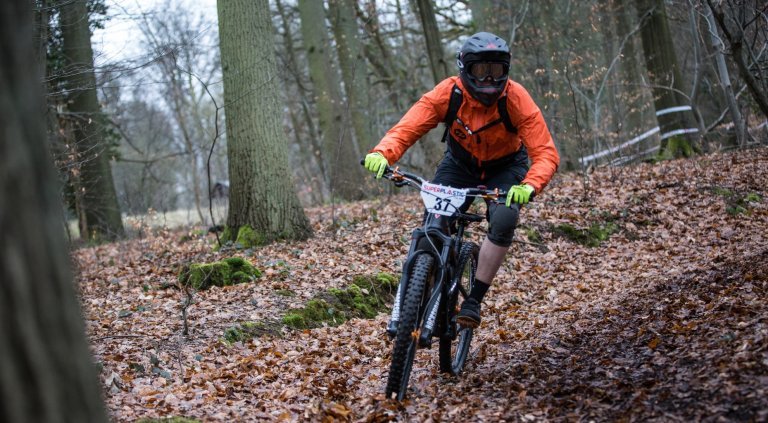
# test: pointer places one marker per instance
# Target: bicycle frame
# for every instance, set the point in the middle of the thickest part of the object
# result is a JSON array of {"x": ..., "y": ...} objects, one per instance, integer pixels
[
  {"x": 429, "y": 287},
  {"x": 445, "y": 283}
]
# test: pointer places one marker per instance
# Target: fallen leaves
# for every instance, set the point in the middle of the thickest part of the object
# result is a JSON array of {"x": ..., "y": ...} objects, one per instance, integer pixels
[{"x": 664, "y": 320}]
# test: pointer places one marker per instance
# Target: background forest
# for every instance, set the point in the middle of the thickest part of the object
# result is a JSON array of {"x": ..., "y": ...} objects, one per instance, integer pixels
[{"x": 601, "y": 71}]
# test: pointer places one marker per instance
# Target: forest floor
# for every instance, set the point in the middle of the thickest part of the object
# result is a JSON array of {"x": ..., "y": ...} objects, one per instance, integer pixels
[{"x": 665, "y": 320}]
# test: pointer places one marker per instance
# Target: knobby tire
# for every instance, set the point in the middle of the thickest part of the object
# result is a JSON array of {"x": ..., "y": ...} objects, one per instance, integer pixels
[
  {"x": 410, "y": 320},
  {"x": 453, "y": 352}
]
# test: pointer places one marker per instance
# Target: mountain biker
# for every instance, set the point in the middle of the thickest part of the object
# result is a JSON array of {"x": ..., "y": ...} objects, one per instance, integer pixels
[{"x": 484, "y": 147}]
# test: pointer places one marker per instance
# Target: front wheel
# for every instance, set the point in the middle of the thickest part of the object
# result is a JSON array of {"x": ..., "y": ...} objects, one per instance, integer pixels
[
  {"x": 454, "y": 351},
  {"x": 406, "y": 340}
]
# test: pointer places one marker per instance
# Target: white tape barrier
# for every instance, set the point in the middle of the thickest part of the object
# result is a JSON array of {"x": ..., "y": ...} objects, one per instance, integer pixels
[
  {"x": 621, "y": 160},
  {"x": 678, "y": 132},
  {"x": 611, "y": 150},
  {"x": 673, "y": 109},
  {"x": 637, "y": 139}
]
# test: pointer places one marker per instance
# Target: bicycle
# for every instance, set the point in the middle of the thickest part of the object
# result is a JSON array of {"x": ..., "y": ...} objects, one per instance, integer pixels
[{"x": 440, "y": 267}]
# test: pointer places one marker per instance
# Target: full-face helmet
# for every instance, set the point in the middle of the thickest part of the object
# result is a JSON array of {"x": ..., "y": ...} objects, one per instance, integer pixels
[{"x": 484, "y": 66}]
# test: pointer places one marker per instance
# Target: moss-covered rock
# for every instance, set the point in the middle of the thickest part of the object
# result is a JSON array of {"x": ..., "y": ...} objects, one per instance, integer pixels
[
  {"x": 367, "y": 296},
  {"x": 590, "y": 237},
  {"x": 227, "y": 272}
]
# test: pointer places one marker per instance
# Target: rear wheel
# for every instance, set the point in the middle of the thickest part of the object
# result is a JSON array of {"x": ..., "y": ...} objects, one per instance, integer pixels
[
  {"x": 407, "y": 337},
  {"x": 454, "y": 351}
]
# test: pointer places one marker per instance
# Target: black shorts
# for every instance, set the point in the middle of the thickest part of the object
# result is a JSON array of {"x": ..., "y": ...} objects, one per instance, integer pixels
[{"x": 502, "y": 220}]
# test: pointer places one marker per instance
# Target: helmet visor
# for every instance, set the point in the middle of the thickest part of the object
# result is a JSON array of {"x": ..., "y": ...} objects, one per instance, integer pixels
[{"x": 495, "y": 70}]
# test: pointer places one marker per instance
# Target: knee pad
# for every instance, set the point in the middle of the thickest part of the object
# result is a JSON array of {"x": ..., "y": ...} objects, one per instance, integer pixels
[{"x": 502, "y": 222}]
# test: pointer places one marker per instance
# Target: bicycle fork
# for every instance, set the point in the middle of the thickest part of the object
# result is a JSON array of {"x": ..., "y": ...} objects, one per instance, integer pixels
[{"x": 434, "y": 304}]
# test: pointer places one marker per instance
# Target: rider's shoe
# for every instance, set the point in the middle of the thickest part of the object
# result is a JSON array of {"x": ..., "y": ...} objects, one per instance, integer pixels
[{"x": 469, "y": 315}]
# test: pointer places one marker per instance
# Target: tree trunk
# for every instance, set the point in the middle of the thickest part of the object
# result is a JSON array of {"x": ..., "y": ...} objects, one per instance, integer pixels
[
  {"x": 339, "y": 149},
  {"x": 99, "y": 200},
  {"x": 435, "y": 52},
  {"x": 310, "y": 148},
  {"x": 673, "y": 110},
  {"x": 725, "y": 79},
  {"x": 46, "y": 371},
  {"x": 736, "y": 40},
  {"x": 262, "y": 195},
  {"x": 354, "y": 68},
  {"x": 637, "y": 112},
  {"x": 492, "y": 16}
]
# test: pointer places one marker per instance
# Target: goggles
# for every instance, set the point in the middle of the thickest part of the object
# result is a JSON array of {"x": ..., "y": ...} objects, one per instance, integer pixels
[{"x": 482, "y": 70}]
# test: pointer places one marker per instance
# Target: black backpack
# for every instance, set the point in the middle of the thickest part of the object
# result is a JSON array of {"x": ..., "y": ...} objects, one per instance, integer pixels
[{"x": 455, "y": 103}]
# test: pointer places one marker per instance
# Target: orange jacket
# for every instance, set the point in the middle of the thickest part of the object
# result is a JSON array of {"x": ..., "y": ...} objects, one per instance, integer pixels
[{"x": 495, "y": 142}]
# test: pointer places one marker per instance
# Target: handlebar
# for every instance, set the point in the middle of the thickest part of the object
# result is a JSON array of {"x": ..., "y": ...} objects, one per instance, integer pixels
[{"x": 401, "y": 178}]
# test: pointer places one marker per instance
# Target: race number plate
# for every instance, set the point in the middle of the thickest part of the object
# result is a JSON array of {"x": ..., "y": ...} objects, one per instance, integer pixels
[{"x": 441, "y": 199}]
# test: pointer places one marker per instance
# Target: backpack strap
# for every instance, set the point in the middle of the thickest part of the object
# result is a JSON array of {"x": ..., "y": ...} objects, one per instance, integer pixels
[
  {"x": 504, "y": 113},
  {"x": 453, "y": 109},
  {"x": 455, "y": 104}
]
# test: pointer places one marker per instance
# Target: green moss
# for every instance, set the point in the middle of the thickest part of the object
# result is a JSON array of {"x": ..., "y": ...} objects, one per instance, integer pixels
[
  {"x": 227, "y": 272},
  {"x": 532, "y": 234},
  {"x": 250, "y": 330},
  {"x": 724, "y": 192},
  {"x": 294, "y": 320},
  {"x": 737, "y": 203},
  {"x": 204, "y": 275},
  {"x": 247, "y": 237},
  {"x": 367, "y": 296},
  {"x": 590, "y": 237},
  {"x": 226, "y": 236},
  {"x": 285, "y": 293},
  {"x": 676, "y": 147}
]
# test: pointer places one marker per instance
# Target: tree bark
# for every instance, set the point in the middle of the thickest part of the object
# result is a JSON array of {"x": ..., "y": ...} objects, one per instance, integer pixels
[
  {"x": 354, "y": 68},
  {"x": 46, "y": 371},
  {"x": 637, "y": 114},
  {"x": 492, "y": 16},
  {"x": 725, "y": 79},
  {"x": 736, "y": 40},
  {"x": 99, "y": 200},
  {"x": 339, "y": 149},
  {"x": 666, "y": 79},
  {"x": 262, "y": 195},
  {"x": 307, "y": 138},
  {"x": 435, "y": 53}
]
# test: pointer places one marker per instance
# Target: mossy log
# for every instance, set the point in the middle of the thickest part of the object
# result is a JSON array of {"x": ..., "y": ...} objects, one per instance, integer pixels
[
  {"x": 230, "y": 271},
  {"x": 367, "y": 296}
]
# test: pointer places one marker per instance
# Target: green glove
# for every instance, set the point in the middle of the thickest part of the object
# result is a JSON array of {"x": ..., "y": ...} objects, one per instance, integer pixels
[
  {"x": 376, "y": 163},
  {"x": 519, "y": 194}
]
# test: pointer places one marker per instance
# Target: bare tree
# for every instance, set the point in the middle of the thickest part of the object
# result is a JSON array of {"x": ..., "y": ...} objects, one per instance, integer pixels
[
  {"x": 745, "y": 25},
  {"x": 187, "y": 67},
  {"x": 98, "y": 201},
  {"x": 435, "y": 51},
  {"x": 354, "y": 68},
  {"x": 340, "y": 151},
  {"x": 725, "y": 79},
  {"x": 673, "y": 109}
]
